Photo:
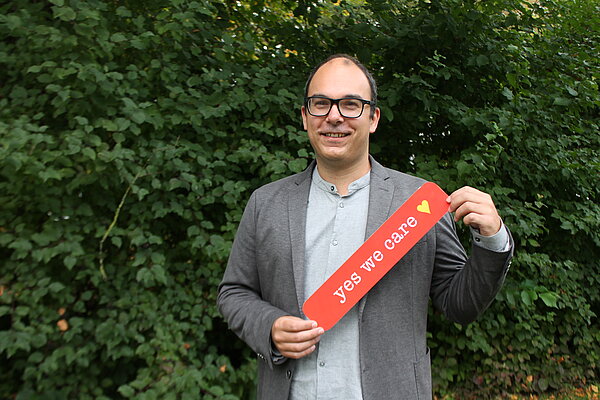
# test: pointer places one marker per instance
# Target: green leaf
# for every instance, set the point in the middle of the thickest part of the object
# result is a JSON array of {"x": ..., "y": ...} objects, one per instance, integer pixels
[
  {"x": 506, "y": 92},
  {"x": 13, "y": 22},
  {"x": 118, "y": 37},
  {"x": 70, "y": 261},
  {"x": 126, "y": 391},
  {"x": 550, "y": 299},
  {"x": 216, "y": 391},
  {"x": 482, "y": 60},
  {"x": 561, "y": 101},
  {"x": 109, "y": 125},
  {"x": 123, "y": 12},
  {"x": 388, "y": 113},
  {"x": 89, "y": 153},
  {"x": 64, "y": 13},
  {"x": 34, "y": 69},
  {"x": 56, "y": 287},
  {"x": 297, "y": 165},
  {"x": 159, "y": 274},
  {"x": 138, "y": 117},
  {"x": 525, "y": 298},
  {"x": 572, "y": 91}
]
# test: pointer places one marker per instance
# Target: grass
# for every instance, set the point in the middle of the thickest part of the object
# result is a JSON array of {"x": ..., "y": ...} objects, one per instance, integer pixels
[{"x": 589, "y": 392}]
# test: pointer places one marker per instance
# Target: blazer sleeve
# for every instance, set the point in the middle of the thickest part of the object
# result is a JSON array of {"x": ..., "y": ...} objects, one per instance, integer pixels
[
  {"x": 462, "y": 288},
  {"x": 240, "y": 298}
]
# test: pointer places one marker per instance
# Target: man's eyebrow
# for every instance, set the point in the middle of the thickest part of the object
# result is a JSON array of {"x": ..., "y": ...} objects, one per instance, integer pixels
[
  {"x": 354, "y": 96},
  {"x": 348, "y": 96}
]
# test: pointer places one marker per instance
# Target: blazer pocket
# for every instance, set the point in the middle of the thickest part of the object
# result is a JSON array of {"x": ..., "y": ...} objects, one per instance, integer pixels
[{"x": 423, "y": 377}]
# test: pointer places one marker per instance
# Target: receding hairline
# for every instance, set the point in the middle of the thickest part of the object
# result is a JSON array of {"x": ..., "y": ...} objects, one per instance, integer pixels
[
  {"x": 343, "y": 63},
  {"x": 346, "y": 60}
]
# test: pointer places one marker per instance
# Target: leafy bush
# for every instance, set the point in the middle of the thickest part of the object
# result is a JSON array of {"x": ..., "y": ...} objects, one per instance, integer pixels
[{"x": 133, "y": 133}]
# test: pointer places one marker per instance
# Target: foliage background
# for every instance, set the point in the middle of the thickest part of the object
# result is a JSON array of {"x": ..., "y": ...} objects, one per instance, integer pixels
[{"x": 133, "y": 132}]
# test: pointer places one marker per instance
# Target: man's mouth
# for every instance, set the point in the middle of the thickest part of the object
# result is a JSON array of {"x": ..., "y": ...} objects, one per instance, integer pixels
[{"x": 335, "y": 135}]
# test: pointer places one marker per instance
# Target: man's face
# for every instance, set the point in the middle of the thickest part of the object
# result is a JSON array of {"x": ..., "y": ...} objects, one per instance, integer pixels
[{"x": 340, "y": 141}]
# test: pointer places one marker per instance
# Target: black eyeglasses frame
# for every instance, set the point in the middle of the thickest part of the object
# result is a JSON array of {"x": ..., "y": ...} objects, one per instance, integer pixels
[{"x": 336, "y": 102}]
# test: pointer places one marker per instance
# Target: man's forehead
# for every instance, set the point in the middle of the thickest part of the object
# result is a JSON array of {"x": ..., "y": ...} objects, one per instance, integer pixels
[
  {"x": 340, "y": 65},
  {"x": 340, "y": 74}
]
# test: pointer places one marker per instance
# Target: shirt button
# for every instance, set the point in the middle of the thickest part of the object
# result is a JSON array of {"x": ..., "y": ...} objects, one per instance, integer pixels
[
  {"x": 333, "y": 188},
  {"x": 341, "y": 205},
  {"x": 334, "y": 242},
  {"x": 322, "y": 364}
]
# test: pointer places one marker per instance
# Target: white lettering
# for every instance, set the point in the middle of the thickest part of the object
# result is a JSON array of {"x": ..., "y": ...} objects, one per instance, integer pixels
[
  {"x": 341, "y": 294},
  {"x": 348, "y": 285},
  {"x": 396, "y": 237},
  {"x": 389, "y": 244},
  {"x": 401, "y": 227},
  {"x": 368, "y": 264},
  {"x": 355, "y": 278},
  {"x": 378, "y": 255}
]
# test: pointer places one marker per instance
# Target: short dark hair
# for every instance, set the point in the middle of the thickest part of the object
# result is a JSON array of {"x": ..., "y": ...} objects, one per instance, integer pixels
[{"x": 355, "y": 61}]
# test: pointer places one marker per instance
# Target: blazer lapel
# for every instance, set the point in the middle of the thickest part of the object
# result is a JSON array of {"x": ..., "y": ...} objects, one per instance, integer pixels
[
  {"x": 297, "y": 204},
  {"x": 380, "y": 198},
  {"x": 380, "y": 201}
]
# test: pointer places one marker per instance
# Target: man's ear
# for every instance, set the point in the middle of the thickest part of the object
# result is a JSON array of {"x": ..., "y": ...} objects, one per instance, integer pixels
[
  {"x": 303, "y": 110},
  {"x": 375, "y": 120}
]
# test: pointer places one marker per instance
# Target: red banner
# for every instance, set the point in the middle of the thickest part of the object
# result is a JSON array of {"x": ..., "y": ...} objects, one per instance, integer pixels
[{"x": 377, "y": 256}]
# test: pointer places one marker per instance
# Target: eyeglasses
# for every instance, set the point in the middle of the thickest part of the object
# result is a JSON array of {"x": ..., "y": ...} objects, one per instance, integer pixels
[{"x": 348, "y": 107}]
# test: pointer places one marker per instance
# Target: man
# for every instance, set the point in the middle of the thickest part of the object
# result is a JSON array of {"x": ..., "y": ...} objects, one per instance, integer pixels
[{"x": 297, "y": 231}]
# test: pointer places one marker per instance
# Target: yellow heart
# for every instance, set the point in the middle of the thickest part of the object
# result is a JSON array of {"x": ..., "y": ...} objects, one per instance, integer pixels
[{"x": 424, "y": 207}]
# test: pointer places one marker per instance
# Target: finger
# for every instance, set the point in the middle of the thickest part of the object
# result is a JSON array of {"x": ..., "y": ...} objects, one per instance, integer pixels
[
  {"x": 479, "y": 216},
  {"x": 312, "y": 335},
  {"x": 457, "y": 193},
  {"x": 293, "y": 324},
  {"x": 296, "y": 355},
  {"x": 468, "y": 194},
  {"x": 297, "y": 345},
  {"x": 470, "y": 207}
]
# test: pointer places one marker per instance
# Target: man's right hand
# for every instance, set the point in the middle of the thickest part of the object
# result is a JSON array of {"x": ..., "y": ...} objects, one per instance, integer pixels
[{"x": 295, "y": 337}]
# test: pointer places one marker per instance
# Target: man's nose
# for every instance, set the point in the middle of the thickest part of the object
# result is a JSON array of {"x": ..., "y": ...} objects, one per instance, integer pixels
[{"x": 334, "y": 116}]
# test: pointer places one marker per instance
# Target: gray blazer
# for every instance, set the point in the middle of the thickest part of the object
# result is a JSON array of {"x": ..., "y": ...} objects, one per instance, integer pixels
[{"x": 264, "y": 281}]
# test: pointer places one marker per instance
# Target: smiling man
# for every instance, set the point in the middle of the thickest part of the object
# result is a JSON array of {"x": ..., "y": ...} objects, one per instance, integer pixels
[{"x": 297, "y": 231}]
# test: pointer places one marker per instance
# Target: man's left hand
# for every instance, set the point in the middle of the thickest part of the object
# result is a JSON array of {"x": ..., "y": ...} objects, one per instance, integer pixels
[{"x": 476, "y": 209}]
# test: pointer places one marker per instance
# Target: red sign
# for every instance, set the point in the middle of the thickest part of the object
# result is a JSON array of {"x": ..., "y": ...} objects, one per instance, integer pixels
[{"x": 377, "y": 256}]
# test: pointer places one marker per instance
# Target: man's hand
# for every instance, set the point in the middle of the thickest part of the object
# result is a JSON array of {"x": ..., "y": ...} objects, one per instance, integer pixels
[
  {"x": 476, "y": 209},
  {"x": 295, "y": 337}
]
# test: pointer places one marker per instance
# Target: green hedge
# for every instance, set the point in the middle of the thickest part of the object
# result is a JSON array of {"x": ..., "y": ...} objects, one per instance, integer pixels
[{"x": 133, "y": 132}]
